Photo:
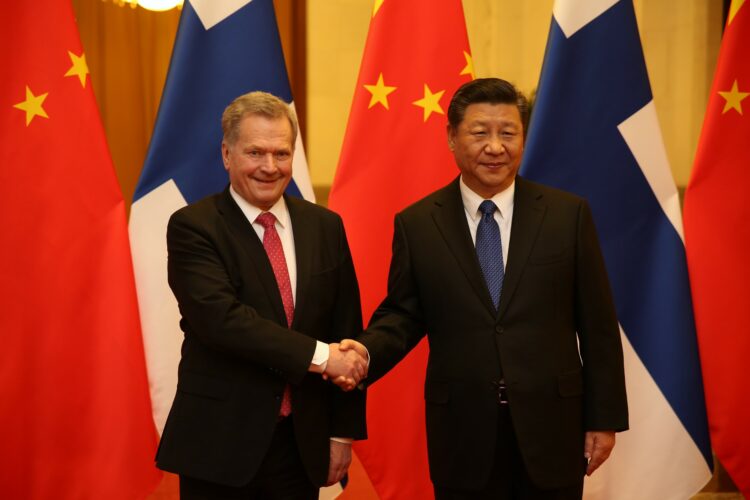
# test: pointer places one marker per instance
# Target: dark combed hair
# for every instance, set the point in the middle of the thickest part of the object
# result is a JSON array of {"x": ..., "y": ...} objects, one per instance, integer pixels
[{"x": 486, "y": 90}]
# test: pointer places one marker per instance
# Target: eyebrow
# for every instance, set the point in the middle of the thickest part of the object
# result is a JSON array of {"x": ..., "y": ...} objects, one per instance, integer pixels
[{"x": 503, "y": 123}]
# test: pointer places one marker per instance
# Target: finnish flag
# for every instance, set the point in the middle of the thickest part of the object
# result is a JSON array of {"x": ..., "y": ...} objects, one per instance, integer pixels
[
  {"x": 594, "y": 132},
  {"x": 222, "y": 50}
]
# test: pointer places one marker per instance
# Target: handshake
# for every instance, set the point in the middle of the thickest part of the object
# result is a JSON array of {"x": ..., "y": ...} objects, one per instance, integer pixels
[{"x": 347, "y": 364}]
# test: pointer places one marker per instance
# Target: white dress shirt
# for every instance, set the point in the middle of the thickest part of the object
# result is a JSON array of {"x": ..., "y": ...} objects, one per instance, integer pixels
[
  {"x": 284, "y": 228},
  {"x": 503, "y": 215}
]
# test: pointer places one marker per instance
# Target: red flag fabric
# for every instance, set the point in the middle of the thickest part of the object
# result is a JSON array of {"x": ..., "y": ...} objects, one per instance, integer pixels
[
  {"x": 717, "y": 239},
  {"x": 395, "y": 152},
  {"x": 75, "y": 416}
]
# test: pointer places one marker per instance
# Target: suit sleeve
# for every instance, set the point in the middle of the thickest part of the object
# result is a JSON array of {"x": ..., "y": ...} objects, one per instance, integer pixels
[
  {"x": 605, "y": 407},
  {"x": 348, "y": 408},
  {"x": 211, "y": 311},
  {"x": 397, "y": 325}
]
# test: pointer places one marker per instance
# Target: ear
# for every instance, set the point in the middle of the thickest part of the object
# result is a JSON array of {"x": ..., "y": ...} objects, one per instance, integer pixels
[
  {"x": 225, "y": 155},
  {"x": 451, "y": 137}
]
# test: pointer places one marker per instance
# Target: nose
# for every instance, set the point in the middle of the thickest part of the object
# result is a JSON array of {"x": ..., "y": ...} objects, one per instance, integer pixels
[
  {"x": 494, "y": 145},
  {"x": 268, "y": 162}
]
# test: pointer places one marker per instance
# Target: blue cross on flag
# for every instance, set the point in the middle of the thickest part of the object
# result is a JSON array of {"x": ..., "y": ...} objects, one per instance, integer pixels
[
  {"x": 223, "y": 49},
  {"x": 594, "y": 132}
]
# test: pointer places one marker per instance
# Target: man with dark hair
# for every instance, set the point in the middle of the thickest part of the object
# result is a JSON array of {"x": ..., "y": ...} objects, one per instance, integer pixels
[
  {"x": 525, "y": 383},
  {"x": 486, "y": 90},
  {"x": 266, "y": 288}
]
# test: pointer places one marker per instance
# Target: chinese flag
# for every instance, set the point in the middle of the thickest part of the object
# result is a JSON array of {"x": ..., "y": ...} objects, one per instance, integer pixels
[
  {"x": 395, "y": 152},
  {"x": 717, "y": 238},
  {"x": 75, "y": 417}
]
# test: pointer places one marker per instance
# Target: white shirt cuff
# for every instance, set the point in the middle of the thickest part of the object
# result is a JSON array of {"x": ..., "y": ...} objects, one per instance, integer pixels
[
  {"x": 320, "y": 357},
  {"x": 342, "y": 440}
]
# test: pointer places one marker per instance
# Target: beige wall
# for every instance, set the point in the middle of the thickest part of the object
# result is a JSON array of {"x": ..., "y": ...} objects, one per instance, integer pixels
[
  {"x": 508, "y": 38},
  {"x": 680, "y": 38},
  {"x": 336, "y": 33},
  {"x": 681, "y": 41}
]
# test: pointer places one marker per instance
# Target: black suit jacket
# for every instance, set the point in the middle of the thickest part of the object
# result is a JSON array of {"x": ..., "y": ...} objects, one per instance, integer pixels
[
  {"x": 238, "y": 354},
  {"x": 555, "y": 295}
]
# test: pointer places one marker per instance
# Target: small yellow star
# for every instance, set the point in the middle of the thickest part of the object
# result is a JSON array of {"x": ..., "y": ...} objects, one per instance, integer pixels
[
  {"x": 379, "y": 92},
  {"x": 32, "y": 105},
  {"x": 734, "y": 99},
  {"x": 79, "y": 68},
  {"x": 430, "y": 102},
  {"x": 733, "y": 9},
  {"x": 376, "y": 7},
  {"x": 469, "y": 68}
]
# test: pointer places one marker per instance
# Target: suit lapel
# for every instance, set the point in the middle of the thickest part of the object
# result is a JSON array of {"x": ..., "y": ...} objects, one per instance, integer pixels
[
  {"x": 450, "y": 217},
  {"x": 528, "y": 213},
  {"x": 305, "y": 238},
  {"x": 243, "y": 231}
]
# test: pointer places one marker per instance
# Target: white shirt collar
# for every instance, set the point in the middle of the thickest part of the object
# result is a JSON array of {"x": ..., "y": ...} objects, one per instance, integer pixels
[
  {"x": 279, "y": 209},
  {"x": 503, "y": 200}
]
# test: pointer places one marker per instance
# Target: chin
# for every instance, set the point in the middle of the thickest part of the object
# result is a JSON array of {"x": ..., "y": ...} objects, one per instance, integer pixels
[{"x": 269, "y": 200}]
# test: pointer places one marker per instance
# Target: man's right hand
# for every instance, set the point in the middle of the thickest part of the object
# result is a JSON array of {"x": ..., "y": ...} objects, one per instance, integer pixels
[
  {"x": 347, "y": 344},
  {"x": 345, "y": 368}
]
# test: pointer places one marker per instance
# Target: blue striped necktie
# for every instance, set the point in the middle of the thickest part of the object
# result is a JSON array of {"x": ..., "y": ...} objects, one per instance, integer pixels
[{"x": 490, "y": 251}]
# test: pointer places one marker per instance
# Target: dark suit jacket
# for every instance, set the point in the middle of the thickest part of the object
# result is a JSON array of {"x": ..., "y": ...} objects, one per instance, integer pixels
[
  {"x": 238, "y": 355},
  {"x": 555, "y": 295}
]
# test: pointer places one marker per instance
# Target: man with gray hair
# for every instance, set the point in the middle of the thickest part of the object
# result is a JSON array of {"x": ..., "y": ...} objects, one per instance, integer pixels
[{"x": 266, "y": 288}]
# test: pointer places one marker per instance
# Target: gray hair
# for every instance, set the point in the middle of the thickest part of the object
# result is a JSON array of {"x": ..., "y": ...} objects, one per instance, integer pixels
[{"x": 256, "y": 103}]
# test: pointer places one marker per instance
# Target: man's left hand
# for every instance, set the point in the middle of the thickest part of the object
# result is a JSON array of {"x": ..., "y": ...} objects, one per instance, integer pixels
[
  {"x": 597, "y": 448},
  {"x": 341, "y": 457}
]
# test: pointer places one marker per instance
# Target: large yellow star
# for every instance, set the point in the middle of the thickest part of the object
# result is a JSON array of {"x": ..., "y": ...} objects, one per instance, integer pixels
[
  {"x": 734, "y": 99},
  {"x": 379, "y": 92},
  {"x": 79, "y": 67},
  {"x": 430, "y": 102},
  {"x": 32, "y": 105},
  {"x": 469, "y": 68},
  {"x": 376, "y": 7}
]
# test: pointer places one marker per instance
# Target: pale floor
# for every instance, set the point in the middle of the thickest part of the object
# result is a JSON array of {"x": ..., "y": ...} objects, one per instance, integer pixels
[{"x": 718, "y": 496}]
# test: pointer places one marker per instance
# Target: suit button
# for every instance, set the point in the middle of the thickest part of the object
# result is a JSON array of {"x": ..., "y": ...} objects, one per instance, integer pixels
[
  {"x": 277, "y": 397},
  {"x": 499, "y": 330}
]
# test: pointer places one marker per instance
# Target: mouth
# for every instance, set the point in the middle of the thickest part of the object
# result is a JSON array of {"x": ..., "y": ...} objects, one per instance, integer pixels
[
  {"x": 265, "y": 181},
  {"x": 493, "y": 165}
]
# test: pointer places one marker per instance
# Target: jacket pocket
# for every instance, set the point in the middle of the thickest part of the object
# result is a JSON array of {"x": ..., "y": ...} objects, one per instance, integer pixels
[
  {"x": 547, "y": 258},
  {"x": 324, "y": 270},
  {"x": 570, "y": 384},
  {"x": 202, "y": 385}
]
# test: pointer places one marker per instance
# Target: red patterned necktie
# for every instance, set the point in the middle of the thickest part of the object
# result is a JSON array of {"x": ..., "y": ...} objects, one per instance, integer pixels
[{"x": 275, "y": 252}]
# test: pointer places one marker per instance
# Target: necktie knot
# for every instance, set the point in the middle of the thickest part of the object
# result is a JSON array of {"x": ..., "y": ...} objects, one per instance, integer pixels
[
  {"x": 266, "y": 219},
  {"x": 487, "y": 207}
]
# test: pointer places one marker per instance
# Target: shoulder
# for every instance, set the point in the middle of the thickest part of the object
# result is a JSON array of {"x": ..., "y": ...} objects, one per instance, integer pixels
[
  {"x": 526, "y": 189},
  {"x": 203, "y": 209},
  {"x": 301, "y": 209},
  {"x": 446, "y": 195}
]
